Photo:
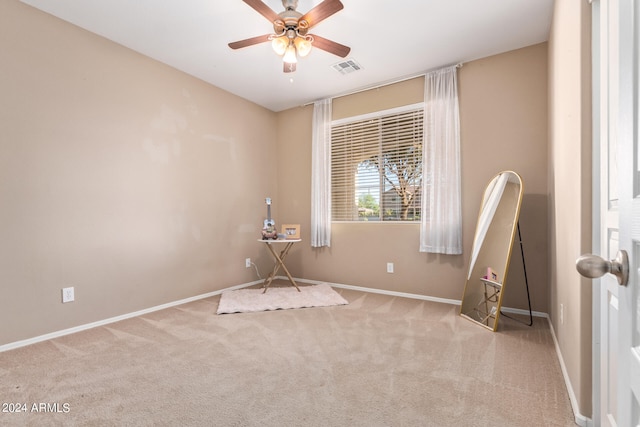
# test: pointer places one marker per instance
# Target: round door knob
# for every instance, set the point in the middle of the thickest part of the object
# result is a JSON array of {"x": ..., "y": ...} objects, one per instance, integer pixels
[{"x": 593, "y": 266}]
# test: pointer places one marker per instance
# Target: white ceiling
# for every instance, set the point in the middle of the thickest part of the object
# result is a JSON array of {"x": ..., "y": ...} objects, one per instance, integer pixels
[{"x": 390, "y": 39}]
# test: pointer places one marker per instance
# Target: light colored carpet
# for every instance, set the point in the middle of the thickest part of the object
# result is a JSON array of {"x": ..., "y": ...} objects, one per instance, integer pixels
[
  {"x": 278, "y": 298},
  {"x": 378, "y": 361}
]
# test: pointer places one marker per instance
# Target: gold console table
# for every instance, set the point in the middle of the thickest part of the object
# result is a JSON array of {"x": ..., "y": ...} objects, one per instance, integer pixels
[{"x": 279, "y": 260}]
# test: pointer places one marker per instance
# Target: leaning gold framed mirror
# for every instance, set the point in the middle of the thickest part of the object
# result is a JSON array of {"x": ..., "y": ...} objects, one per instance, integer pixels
[{"x": 491, "y": 251}]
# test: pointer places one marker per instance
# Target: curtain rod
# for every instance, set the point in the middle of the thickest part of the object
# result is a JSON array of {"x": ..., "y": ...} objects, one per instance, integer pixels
[{"x": 379, "y": 85}]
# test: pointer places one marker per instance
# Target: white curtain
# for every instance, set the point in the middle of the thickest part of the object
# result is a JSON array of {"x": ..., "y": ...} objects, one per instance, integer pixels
[
  {"x": 441, "y": 229},
  {"x": 321, "y": 174}
]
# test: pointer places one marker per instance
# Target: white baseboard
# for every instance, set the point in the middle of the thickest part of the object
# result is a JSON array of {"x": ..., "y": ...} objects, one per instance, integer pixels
[
  {"x": 580, "y": 419},
  {"x": 523, "y": 312}
]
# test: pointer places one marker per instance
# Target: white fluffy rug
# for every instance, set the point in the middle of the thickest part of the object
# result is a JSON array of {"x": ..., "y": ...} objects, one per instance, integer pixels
[{"x": 278, "y": 298}]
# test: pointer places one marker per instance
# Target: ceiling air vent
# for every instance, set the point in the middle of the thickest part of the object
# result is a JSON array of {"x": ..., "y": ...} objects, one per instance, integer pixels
[{"x": 347, "y": 67}]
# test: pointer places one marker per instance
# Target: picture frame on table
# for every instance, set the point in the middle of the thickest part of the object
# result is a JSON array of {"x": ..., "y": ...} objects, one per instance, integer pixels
[{"x": 290, "y": 231}]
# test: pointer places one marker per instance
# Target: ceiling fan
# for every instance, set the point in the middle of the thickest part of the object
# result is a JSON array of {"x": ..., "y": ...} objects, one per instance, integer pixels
[{"x": 291, "y": 37}]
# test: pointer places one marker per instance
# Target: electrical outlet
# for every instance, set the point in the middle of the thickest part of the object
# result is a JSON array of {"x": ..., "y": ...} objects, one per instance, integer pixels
[
  {"x": 562, "y": 314},
  {"x": 389, "y": 267},
  {"x": 68, "y": 295},
  {"x": 247, "y": 262}
]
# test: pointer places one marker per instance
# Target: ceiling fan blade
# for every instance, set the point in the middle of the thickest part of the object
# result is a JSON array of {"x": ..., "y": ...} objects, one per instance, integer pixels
[
  {"x": 322, "y": 12},
  {"x": 262, "y": 9},
  {"x": 289, "y": 67},
  {"x": 249, "y": 42},
  {"x": 330, "y": 46}
]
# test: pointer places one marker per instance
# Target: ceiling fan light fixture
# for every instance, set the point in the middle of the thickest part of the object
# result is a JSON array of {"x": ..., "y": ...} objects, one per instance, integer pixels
[
  {"x": 290, "y": 54},
  {"x": 303, "y": 46},
  {"x": 280, "y": 44}
]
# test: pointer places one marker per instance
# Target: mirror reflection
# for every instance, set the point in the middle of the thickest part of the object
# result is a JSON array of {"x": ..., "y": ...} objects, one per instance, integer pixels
[{"x": 491, "y": 250}]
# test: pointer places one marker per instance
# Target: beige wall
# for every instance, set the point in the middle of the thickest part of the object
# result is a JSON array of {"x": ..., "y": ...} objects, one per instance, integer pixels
[
  {"x": 133, "y": 182},
  {"x": 570, "y": 188},
  {"x": 503, "y": 107}
]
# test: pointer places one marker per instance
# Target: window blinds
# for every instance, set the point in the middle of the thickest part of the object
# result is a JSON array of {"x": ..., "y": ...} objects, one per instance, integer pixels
[{"x": 376, "y": 166}]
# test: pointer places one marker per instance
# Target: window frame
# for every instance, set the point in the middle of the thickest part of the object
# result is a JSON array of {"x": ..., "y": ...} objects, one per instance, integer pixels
[{"x": 378, "y": 115}]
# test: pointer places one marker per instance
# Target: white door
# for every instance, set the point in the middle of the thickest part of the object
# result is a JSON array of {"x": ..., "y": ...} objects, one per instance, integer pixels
[
  {"x": 606, "y": 383},
  {"x": 616, "y": 96},
  {"x": 628, "y": 394}
]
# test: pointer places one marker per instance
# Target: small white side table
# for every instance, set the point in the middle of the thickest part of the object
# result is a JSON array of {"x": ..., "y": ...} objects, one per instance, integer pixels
[{"x": 279, "y": 260}]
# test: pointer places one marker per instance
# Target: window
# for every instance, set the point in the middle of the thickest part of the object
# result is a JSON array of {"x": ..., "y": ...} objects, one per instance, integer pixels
[{"x": 376, "y": 166}]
